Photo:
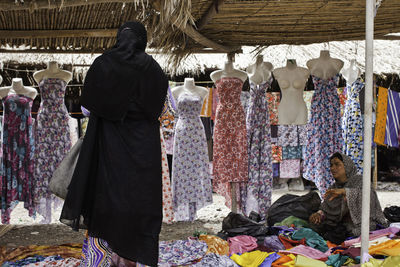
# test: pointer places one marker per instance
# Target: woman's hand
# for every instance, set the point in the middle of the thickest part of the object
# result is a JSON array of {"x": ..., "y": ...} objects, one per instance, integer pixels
[
  {"x": 316, "y": 217},
  {"x": 334, "y": 193}
]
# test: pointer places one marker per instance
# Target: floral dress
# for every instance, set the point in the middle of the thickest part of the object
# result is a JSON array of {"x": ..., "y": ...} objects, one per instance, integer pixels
[
  {"x": 52, "y": 142},
  {"x": 353, "y": 125},
  {"x": 259, "y": 147},
  {"x": 18, "y": 148},
  {"x": 230, "y": 155},
  {"x": 324, "y": 135},
  {"x": 191, "y": 181}
]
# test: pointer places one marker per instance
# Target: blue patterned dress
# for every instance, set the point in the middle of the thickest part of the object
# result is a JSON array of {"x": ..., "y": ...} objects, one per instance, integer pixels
[
  {"x": 52, "y": 142},
  {"x": 353, "y": 125},
  {"x": 191, "y": 181},
  {"x": 324, "y": 136},
  {"x": 16, "y": 181},
  {"x": 259, "y": 185}
]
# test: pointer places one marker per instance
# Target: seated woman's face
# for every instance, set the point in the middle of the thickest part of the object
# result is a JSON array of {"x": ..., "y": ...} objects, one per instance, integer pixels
[{"x": 338, "y": 171}]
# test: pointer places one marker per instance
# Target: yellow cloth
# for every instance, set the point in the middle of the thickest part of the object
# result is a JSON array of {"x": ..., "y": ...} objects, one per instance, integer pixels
[
  {"x": 391, "y": 261},
  {"x": 286, "y": 260},
  {"x": 250, "y": 259},
  {"x": 381, "y": 112},
  {"x": 349, "y": 262},
  {"x": 207, "y": 104},
  {"x": 215, "y": 244},
  {"x": 388, "y": 248},
  {"x": 302, "y": 261},
  {"x": 372, "y": 263}
]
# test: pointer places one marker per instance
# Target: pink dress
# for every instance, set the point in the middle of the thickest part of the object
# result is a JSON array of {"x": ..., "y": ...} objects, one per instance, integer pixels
[{"x": 230, "y": 157}]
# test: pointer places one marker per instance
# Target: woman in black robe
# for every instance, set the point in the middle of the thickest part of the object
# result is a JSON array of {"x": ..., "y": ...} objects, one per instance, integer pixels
[{"x": 116, "y": 189}]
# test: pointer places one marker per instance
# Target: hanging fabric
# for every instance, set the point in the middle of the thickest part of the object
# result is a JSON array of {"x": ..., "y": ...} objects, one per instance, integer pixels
[
  {"x": 393, "y": 119},
  {"x": 380, "y": 126}
]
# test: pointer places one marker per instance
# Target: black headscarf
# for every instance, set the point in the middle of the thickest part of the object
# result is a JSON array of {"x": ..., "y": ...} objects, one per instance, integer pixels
[{"x": 125, "y": 74}]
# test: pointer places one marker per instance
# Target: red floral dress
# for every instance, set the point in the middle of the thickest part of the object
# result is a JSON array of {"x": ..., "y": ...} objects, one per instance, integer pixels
[{"x": 230, "y": 156}]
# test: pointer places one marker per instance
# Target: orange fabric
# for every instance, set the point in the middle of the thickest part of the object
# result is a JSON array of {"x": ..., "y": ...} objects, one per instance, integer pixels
[
  {"x": 380, "y": 125},
  {"x": 215, "y": 244},
  {"x": 282, "y": 260},
  {"x": 330, "y": 244},
  {"x": 289, "y": 243},
  {"x": 207, "y": 105},
  {"x": 388, "y": 248}
]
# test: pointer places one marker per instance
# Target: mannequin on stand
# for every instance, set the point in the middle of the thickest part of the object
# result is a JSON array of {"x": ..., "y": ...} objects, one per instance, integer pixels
[
  {"x": 230, "y": 156},
  {"x": 325, "y": 66},
  {"x": 228, "y": 71},
  {"x": 292, "y": 80},
  {"x": 292, "y": 115},
  {"x": 18, "y": 88},
  {"x": 52, "y": 71},
  {"x": 52, "y": 134},
  {"x": 324, "y": 136},
  {"x": 17, "y": 146},
  {"x": 189, "y": 87},
  {"x": 191, "y": 181},
  {"x": 260, "y": 71},
  {"x": 351, "y": 73}
]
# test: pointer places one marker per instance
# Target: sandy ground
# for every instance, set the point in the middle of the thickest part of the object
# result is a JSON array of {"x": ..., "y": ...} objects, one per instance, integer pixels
[{"x": 28, "y": 231}]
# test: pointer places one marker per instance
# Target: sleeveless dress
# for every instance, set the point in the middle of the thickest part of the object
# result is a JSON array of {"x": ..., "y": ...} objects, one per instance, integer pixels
[
  {"x": 230, "y": 156},
  {"x": 259, "y": 141},
  {"x": 52, "y": 142},
  {"x": 168, "y": 213},
  {"x": 353, "y": 125},
  {"x": 324, "y": 135},
  {"x": 191, "y": 181},
  {"x": 18, "y": 149}
]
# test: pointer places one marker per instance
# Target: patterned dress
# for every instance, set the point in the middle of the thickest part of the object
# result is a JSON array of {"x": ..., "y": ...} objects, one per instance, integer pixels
[
  {"x": 259, "y": 141},
  {"x": 230, "y": 156},
  {"x": 18, "y": 149},
  {"x": 168, "y": 213},
  {"x": 191, "y": 181},
  {"x": 324, "y": 135},
  {"x": 52, "y": 142},
  {"x": 353, "y": 125}
]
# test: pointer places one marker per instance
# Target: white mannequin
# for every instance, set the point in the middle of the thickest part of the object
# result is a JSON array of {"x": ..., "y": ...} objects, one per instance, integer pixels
[
  {"x": 228, "y": 71},
  {"x": 260, "y": 71},
  {"x": 18, "y": 88},
  {"x": 52, "y": 71},
  {"x": 189, "y": 87},
  {"x": 292, "y": 80},
  {"x": 351, "y": 73},
  {"x": 325, "y": 66}
]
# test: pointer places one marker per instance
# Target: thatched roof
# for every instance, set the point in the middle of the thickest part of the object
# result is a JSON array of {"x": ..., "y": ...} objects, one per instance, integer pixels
[{"x": 184, "y": 26}]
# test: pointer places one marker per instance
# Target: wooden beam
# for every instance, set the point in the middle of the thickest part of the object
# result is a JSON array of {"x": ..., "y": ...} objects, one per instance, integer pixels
[
  {"x": 387, "y": 37},
  {"x": 57, "y": 33},
  {"x": 46, "y": 4},
  {"x": 212, "y": 10}
]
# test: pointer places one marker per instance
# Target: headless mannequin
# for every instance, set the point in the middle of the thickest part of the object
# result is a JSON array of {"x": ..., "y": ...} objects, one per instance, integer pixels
[
  {"x": 351, "y": 73},
  {"x": 52, "y": 71},
  {"x": 292, "y": 80},
  {"x": 260, "y": 71},
  {"x": 228, "y": 71},
  {"x": 18, "y": 88},
  {"x": 325, "y": 66},
  {"x": 189, "y": 87}
]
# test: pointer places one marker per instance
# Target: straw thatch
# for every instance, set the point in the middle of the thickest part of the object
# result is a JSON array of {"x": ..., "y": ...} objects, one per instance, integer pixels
[{"x": 182, "y": 27}]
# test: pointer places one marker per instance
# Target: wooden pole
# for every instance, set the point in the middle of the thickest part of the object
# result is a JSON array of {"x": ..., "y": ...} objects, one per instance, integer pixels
[{"x": 233, "y": 197}]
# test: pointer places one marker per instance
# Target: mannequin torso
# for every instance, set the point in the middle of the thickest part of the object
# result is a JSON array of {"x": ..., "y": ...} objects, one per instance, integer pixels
[
  {"x": 292, "y": 80},
  {"x": 18, "y": 88},
  {"x": 260, "y": 71},
  {"x": 351, "y": 73},
  {"x": 325, "y": 66},
  {"x": 189, "y": 87},
  {"x": 228, "y": 71},
  {"x": 52, "y": 71}
]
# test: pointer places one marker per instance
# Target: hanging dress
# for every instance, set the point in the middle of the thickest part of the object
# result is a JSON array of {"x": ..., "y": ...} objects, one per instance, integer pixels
[
  {"x": 18, "y": 148},
  {"x": 52, "y": 142},
  {"x": 353, "y": 125},
  {"x": 168, "y": 213},
  {"x": 191, "y": 181},
  {"x": 324, "y": 136},
  {"x": 259, "y": 185},
  {"x": 230, "y": 156}
]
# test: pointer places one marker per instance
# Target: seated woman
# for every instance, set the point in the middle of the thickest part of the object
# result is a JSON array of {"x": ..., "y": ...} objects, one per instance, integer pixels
[{"x": 340, "y": 212}]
